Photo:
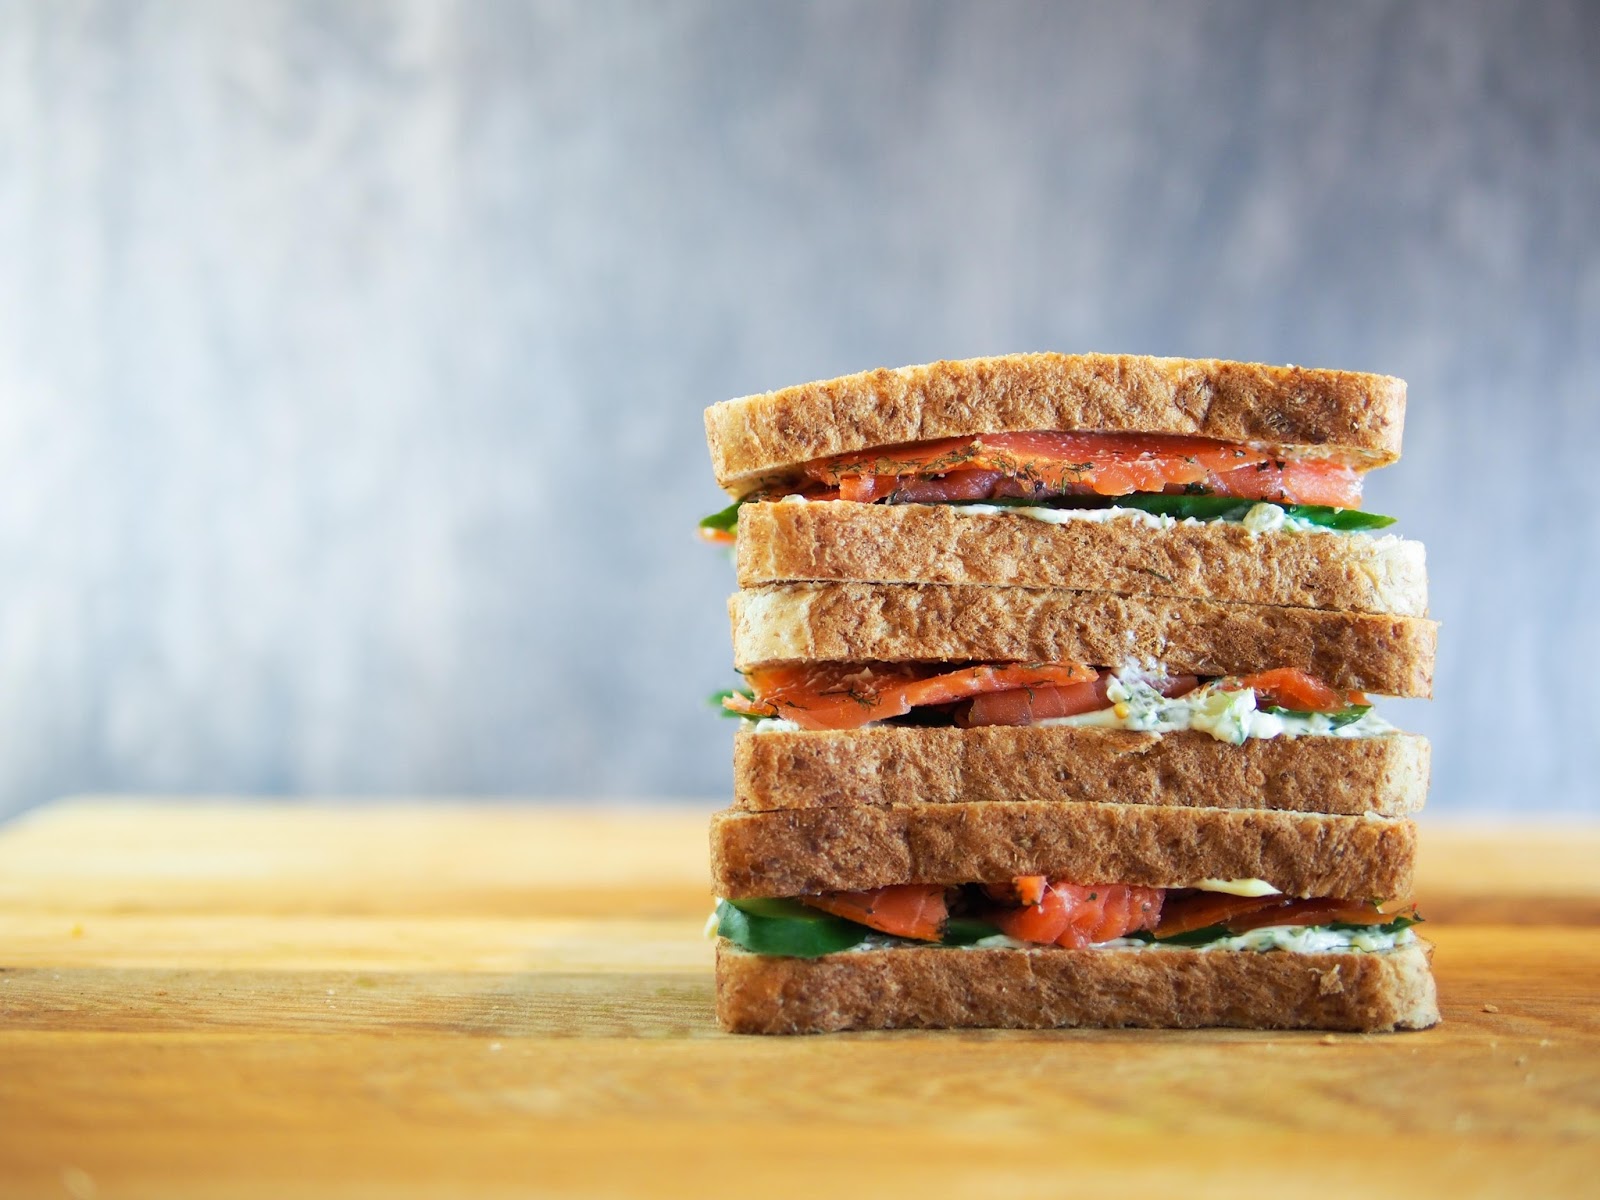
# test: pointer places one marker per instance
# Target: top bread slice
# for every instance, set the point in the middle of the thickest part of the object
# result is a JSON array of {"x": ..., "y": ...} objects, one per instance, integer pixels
[{"x": 1354, "y": 417}]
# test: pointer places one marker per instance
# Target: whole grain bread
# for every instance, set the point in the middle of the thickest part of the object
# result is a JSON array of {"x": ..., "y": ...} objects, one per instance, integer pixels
[
  {"x": 861, "y": 622},
  {"x": 1387, "y": 775},
  {"x": 1131, "y": 555},
  {"x": 1357, "y": 417},
  {"x": 794, "y": 851},
  {"x": 946, "y": 988}
]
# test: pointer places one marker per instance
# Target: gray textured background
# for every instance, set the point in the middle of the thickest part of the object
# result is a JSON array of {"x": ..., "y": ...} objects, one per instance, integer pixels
[{"x": 352, "y": 355}]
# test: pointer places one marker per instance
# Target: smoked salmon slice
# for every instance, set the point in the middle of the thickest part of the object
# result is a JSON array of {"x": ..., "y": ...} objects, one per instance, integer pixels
[
  {"x": 1024, "y": 706},
  {"x": 1079, "y": 915},
  {"x": 1044, "y": 464},
  {"x": 1318, "y": 912},
  {"x": 847, "y": 696},
  {"x": 1292, "y": 688},
  {"x": 1240, "y": 914},
  {"x": 1185, "y": 914},
  {"x": 908, "y": 910}
]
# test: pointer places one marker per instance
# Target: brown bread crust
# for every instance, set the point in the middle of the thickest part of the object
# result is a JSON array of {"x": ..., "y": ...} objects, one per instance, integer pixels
[
  {"x": 940, "y": 988},
  {"x": 1358, "y": 416},
  {"x": 932, "y": 543},
  {"x": 906, "y": 765},
  {"x": 791, "y": 852},
  {"x": 861, "y": 622}
]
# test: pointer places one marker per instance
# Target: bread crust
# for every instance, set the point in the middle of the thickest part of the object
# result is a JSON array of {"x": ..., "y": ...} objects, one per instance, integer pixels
[
  {"x": 861, "y": 622},
  {"x": 791, "y": 852},
  {"x": 1218, "y": 560},
  {"x": 907, "y": 765},
  {"x": 757, "y": 437},
  {"x": 944, "y": 988}
]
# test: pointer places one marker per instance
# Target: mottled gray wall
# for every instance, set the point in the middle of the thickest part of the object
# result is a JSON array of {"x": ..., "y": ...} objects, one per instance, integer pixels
[{"x": 352, "y": 354}]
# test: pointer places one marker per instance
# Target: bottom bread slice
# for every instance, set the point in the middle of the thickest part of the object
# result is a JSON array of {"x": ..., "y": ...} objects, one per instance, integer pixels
[{"x": 934, "y": 987}]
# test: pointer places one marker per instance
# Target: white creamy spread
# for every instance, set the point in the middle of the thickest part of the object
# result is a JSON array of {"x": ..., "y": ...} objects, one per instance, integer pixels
[
  {"x": 1262, "y": 517},
  {"x": 1298, "y": 939},
  {"x": 1066, "y": 516},
  {"x": 1269, "y": 518},
  {"x": 777, "y": 725},
  {"x": 1227, "y": 715},
  {"x": 1295, "y": 939}
]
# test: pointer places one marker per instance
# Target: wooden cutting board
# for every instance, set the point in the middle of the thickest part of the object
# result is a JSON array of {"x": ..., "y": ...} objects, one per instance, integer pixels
[{"x": 215, "y": 999}]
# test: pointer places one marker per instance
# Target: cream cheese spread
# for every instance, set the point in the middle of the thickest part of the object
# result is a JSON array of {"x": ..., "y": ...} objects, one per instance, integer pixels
[
  {"x": 1269, "y": 518},
  {"x": 1066, "y": 516},
  {"x": 1294, "y": 939},
  {"x": 1228, "y": 715},
  {"x": 778, "y": 725},
  {"x": 1261, "y": 518},
  {"x": 1297, "y": 939}
]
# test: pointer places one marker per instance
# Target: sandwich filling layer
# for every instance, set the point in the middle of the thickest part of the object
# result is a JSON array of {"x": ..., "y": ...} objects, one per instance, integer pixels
[
  {"x": 1033, "y": 911},
  {"x": 1285, "y": 702},
  {"x": 1145, "y": 511},
  {"x": 1167, "y": 475},
  {"x": 1041, "y": 464}
]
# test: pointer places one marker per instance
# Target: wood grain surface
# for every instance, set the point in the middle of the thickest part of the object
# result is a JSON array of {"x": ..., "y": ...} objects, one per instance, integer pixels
[{"x": 220, "y": 999}]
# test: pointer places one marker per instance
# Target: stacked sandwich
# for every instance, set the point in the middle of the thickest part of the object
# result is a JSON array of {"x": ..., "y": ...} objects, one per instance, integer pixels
[{"x": 1055, "y": 707}]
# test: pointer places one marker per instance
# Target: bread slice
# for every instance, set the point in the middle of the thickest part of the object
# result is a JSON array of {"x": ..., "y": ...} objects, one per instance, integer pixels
[
  {"x": 790, "y": 852},
  {"x": 862, "y": 622},
  {"x": 1132, "y": 555},
  {"x": 948, "y": 988},
  {"x": 1387, "y": 775},
  {"x": 1355, "y": 417}
]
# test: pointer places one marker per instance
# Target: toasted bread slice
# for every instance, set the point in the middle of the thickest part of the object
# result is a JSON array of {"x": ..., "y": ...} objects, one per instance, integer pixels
[
  {"x": 1386, "y": 775},
  {"x": 790, "y": 852},
  {"x": 1356, "y": 418},
  {"x": 1134, "y": 555},
  {"x": 860, "y": 622},
  {"x": 947, "y": 988}
]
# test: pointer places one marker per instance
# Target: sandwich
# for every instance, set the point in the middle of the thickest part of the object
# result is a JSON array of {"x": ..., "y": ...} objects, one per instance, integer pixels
[{"x": 1056, "y": 706}]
